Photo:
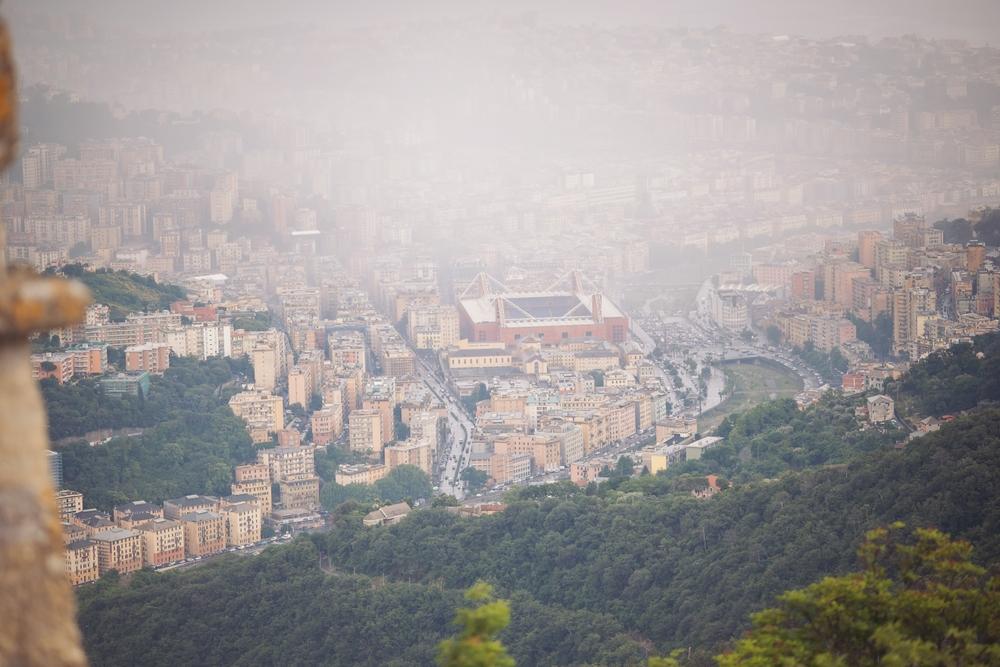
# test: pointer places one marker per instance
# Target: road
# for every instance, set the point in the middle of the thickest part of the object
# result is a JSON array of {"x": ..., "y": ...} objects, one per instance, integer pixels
[
  {"x": 249, "y": 550},
  {"x": 460, "y": 430}
]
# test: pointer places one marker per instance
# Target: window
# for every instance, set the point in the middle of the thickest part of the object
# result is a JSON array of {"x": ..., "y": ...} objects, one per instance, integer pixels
[
  {"x": 589, "y": 334},
  {"x": 565, "y": 334}
]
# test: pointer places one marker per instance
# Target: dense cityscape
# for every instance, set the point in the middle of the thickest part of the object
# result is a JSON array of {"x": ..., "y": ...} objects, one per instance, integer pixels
[{"x": 581, "y": 268}]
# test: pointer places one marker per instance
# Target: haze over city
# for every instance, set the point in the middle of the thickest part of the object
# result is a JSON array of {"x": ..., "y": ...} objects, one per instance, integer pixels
[{"x": 625, "y": 320}]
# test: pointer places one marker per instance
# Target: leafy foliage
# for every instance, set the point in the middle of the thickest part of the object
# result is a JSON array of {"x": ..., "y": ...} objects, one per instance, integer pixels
[
  {"x": 191, "y": 445},
  {"x": 917, "y": 602},
  {"x": 482, "y": 393},
  {"x": 958, "y": 230},
  {"x": 657, "y": 560},
  {"x": 125, "y": 292},
  {"x": 403, "y": 482},
  {"x": 280, "y": 608},
  {"x": 955, "y": 379},
  {"x": 776, "y": 436},
  {"x": 877, "y": 334},
  {"x": 477, "y": 645},
  {"x": 831, "y": 365},
  {"x": 475, "y": 478}
]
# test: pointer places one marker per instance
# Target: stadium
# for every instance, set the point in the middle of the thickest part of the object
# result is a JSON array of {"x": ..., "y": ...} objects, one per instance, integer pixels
[{"x": 552, "y": 315}]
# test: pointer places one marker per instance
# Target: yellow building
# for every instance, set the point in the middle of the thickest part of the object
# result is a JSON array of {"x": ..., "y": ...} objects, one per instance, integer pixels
[
  {"x": 82, "y": 564},
  {"x": 204, "y": 533},
  {"x": 492, "y": 358},
  {"x": 295, "y": 462},
  {"x": 243, "y": 523},
  {"x": 69, "y": 503},
  {"x": 360, "y": 474},
  {"x": 118, "y": 549},
  {"x": 263, "y": 413},
  {"x": 300, "y": 493},
  {"x": 265, "y": 367},
  {"x": 365, "y": 431},
  {"x": 254, "y": 479},
  {"x": 411, "y": 452},
  {"x": 300, "y": 386},
  {"x": 162, "y": 541}
]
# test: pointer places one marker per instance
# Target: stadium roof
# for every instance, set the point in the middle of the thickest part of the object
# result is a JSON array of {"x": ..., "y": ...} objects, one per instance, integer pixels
[{"x": 534, "y": 308}]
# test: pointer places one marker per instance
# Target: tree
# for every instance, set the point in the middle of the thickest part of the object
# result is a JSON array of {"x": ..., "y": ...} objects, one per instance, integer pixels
[
  {"x": 773, "y": 334},
  {"x": 482, "y": 393},
  {"x": 598, "y": 378},
  {"x": 402, "y": 431},
  {"x": 988, "y": 228},
  {"x": 475, "y": 478},
  {"x": 625, "y": 466},
  {"x": 315, "y": 403},
  {"x": 958, "y": 230},
  {"x": 918, "y": 601},
  {"x": 477, "y": 645}
]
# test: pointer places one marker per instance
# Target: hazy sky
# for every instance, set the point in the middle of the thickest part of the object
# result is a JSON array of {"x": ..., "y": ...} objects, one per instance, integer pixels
[{"x": 975, "y": 20}]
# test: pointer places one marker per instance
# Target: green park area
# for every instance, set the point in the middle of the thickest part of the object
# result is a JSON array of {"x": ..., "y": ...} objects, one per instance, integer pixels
[{"x": 748, "y": 383}]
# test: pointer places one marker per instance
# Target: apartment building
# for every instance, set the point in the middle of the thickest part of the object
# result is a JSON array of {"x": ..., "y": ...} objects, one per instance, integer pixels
[
  {"x": 503, "y": 468},
  {"x": 254, "y": 479},
  {"x": 176, "y": 508},
  {"x": 82, "y": 562},
  {"x": 244, "y": 522},
  {"x": 92, "y": 521},
  {"x": 59, "y": 366},
  {"x": 545, "y": 451},
  {"x": 365, "y": 431},
  {"x": 128, "y": 515},
  {"x": 299, "y": 493},
  {"x": 417, "y": 453},
  {"x": 204, "y": 533},
  {"x": 286, "y": 463},
  {"x": 89, "y": 358},
  {"x": 162, "y": 541},
  {"x": 327, "y": 425},
  {"x": 366, "y": 474},
  {"x": 150, "y": 357},
  {"x": 480, "y": 358},
  {"x": 69, "y": 503},
  {"x": 263, "y": 412},
  {"x": 201, "y": 340},
  {"x": 118, "y": 549}
]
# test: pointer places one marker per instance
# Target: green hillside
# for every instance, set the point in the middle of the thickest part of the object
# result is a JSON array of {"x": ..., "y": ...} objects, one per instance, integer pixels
[
  {"x": 596, "y": 573},
  {"x": 126, "y": 292}
]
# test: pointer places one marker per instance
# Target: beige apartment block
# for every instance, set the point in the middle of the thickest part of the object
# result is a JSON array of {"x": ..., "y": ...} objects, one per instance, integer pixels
[
  {"x": 82, "y": 564},
  {"x": 118, "y": 549},
  {"x": 162, "y": 541},
  {"x": 301, "y": 493},
  {"x": 255, "y": 480},
  {"x": 150, "y": 357},
  {"x": 327, "y": 424},
  {"x": 288, "y": 462},
  {"x": 69, "y": 503},
  {"x": 263, "y": 413},
  {"x": 365, "y": 431},
  {"x": 204, "y": 533},
  {"x": 244, "y": 522},
  {"x": 417, "y": 453},
  {"x": 175, "y": 508},
  {"x": 365, "y": 474}
]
